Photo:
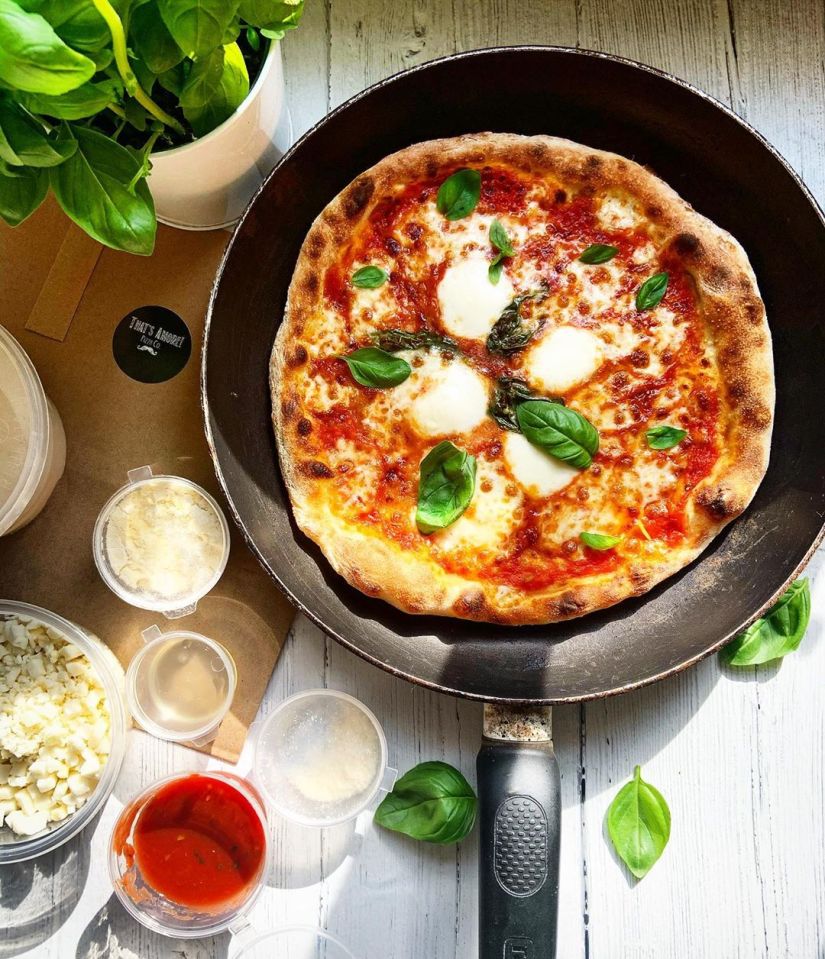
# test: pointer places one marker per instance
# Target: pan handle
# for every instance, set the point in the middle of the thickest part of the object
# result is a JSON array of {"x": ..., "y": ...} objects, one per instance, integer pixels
[{"x": 520, "y": 797}]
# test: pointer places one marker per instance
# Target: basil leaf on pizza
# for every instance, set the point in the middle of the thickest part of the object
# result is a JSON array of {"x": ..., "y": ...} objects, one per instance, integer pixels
[
  {"x": 500, "y": 240},
  {"x": 509, "y": 333},
  {"x": 600, "y": 541},
  {"x": 446, "y": 486},
  {"x": 650, "y": 293},
  {"x": 369, "y": 277},
  {"x": 458, "y": 195},
  {"x": 509, "y": 392},
  {"x": 395, "y": 340},
  {"x": 370, "y": 366},
  {"x": 598, "y": 253},
  {"x": 664, "y": 437},
  {"x": 559, "y": 431}
]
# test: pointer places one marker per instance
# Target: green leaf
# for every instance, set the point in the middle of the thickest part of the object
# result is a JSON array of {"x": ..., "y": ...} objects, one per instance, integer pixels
[
  {"x": 33, "y": 58},
  {"x": 77, "y": 22},
  {"x": 228, "y": 94},
  {"x": 253, "y": 38},
  {"x": 369, "y": 277},
  {"x": 202, "y": 81},
  {"x": 92, "y": 187},
  {"x": 650, "y": 293},
  {"x": 494, "y": 270},
  {"x": 136, "y": 114},
  {"x": 275, "y": 17},
  {"x": 22, "y": 194},
  {"x": 24, "y": 141},
  {"x": 84, "y": 101},
  {"x": 447, "y": 482},
  {"x": 509, "y": 392},
  {"x": 509, "y": 333},
  {"x": 663, "y": 437},
  {"x": 499, "y": 238},
  {"x": 775, "y": 634},
  {"x": 638, "y": 822},
  {"x": 151, "y": 40},
  {"x": 394, "y": 340},
  {"x": 433, "y": 802},
  {"x": 600, "y": 541},
  {"x": 372, "y": 367},
  {"x": 174, "y": 80},
  {"x": 598, "y": 253},
  {"x": 198, "y": 26},
  {"x": 458, "y": 195},
  {"x": 559, "y": 431}
]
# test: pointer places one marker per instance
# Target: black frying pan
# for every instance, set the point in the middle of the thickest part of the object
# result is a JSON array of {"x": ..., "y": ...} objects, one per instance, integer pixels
[{"x": 729, "y": 173}]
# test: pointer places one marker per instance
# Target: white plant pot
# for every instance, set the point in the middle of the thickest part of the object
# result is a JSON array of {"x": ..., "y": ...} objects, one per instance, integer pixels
[{"x": 206, "y": 185}]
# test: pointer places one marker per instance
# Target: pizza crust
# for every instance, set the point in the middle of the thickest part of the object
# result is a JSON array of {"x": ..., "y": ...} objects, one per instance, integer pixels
[{"x": 735, "y": 316}]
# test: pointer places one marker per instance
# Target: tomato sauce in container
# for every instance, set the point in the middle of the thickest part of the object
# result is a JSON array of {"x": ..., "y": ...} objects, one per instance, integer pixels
[{"x": 189, "y": 854}]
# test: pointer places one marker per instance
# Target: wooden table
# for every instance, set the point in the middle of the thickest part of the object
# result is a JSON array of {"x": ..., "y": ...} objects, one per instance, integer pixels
[{"x": 739, "y": 755}]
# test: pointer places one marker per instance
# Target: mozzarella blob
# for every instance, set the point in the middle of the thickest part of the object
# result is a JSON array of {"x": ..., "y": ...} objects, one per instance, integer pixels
[
  {"x": 443, "y": 398},
  {"x": 537, "y": 472},
  {"x": 470, "y": 303},
  {"x": 490, "y": 517},
  {"x": 566, "y": 356}
]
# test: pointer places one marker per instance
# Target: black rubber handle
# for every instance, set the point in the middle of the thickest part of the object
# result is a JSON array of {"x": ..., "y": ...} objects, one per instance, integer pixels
[{"x": 520, "y": 795}]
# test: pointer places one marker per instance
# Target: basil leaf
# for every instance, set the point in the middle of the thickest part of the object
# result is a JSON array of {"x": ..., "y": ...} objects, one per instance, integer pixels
[
  {"x": 494, "y": 269},
  {"x": 598, "y": 253},
  {"x": 84, "y": 101},
  {"x": 369, "y": 277},
  {"x": 370, "y": 366},
  {"x": 198, "y": 26},
  {"x": 638, "y": 822},
  {"x": 93, "y": 188},
  {"x": 433, "y": 802},
  {"x": 76, "y": 22},
  {"x": 24, "y": 141},
  {"x": 33, "y": 58},
  {"x": 446, "y": 486},
  {"x": 231, "y": 85},
  {"x": 509, "y": 333},
  {"x": 151, "y": 40},
  {"x": 394, "y": 340},
  {"x": 559, "y": 431},
  {"x": 22, "y": 193},
  {"x": 650, "y": 293},
  {"x": 274, "y": 17},
  {"x": 253, "y": 38},
  {"x": 775, "y": 634},
  {"x": 499, "y": 238},
  {"x": 509, "y": 392},
  {"x": 663, "y": 437},
  {"x": 600, "y": 541},
  {"x": 458, "y": 195}
]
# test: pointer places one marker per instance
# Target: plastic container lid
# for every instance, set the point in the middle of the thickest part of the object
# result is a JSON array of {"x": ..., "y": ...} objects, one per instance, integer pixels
[
  {"x": 292, "y": 942},
  {"x": 24, "y": 430}
]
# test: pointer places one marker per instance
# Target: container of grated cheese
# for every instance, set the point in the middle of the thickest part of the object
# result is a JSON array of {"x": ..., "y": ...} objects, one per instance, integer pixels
[
  {"x": 32, "y": 440},
  {"x": 161, "y": 543}
]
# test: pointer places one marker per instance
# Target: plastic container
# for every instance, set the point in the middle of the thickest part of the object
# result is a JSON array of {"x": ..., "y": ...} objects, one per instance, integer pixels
[
  {"x": 16, "y": 849},
  {"x": 180, "y": 685},
  {"x": 32, "y": 440},
  {"x": 288, "y": 942},
  {"x": 321, "y": 758},
  {"x": 109, "y": 552},
  {"x": 151, "y": 908}
]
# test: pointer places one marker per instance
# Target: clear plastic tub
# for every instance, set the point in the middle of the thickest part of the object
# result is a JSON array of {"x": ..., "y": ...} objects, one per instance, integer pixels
[
  {"x": 161, "y": 543},
  {"x": 287, "y": 942},
  {"x": 16, "y": 849},
  {"x": 31, "y": 438},
  {"x": 180, "y": 685}
]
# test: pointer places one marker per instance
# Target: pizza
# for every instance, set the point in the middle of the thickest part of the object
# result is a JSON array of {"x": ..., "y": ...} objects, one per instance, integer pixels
[{"x": 518, "y": 380}]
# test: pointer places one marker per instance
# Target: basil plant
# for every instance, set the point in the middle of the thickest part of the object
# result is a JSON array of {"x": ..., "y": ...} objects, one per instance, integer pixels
[{"x": 89, "y": 88}]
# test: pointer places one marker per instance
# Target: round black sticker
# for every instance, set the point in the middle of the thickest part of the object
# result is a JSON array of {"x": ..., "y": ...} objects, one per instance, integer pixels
[{"x": 152, "y": 344}]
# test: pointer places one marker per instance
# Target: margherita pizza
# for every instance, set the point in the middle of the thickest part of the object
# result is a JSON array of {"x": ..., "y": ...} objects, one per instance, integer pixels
[{"x": 518, "y": 380}]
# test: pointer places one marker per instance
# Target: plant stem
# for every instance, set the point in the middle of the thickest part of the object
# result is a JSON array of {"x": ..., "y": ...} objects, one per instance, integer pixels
[
  {"x": 116, "y": 110},
  {"x": 130, "y": 81},
  {"x": 119, "y": 129}
]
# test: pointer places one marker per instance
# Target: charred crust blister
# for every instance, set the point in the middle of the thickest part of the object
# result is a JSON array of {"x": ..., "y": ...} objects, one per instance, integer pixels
[
  {"x": 358, "y": 196},
  {"x": 315, "y": 469}
]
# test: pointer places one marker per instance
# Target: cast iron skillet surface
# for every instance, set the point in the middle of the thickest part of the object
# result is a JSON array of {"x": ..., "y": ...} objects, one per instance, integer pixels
[{"x": 714, "y": 160}]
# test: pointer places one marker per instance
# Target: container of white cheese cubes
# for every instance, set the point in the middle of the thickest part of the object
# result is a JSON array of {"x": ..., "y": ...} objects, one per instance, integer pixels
[{"x": 63, "y": 728}]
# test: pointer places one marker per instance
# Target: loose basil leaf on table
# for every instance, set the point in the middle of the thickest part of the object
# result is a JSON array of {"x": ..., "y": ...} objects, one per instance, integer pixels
[
  {"x": 447, "y": 482},
  {"x": 638, "y": 822},
  {"x": 559, "y": 431},
  {"x": 500, "y": 240},
  {"x": 394, "y": 340},
  {"x": 458, "y": 195},
  {"x": 369, "y": 277},
  {"x": 650, "y": 293},
  {"x": 777, "y": 633},
  {"x": 197, "y": 26},
  {"x": 433, "y": 802},
  {"x": 598, "y": 253},
  {"x": 370, "y": 366},
  {"x": 24, "y": 140},
  {"x": 600, "y": 541},
  {"x": 509, "y": 334},
  {"x": 21, "y": 193},
  {"x": 664, "y": 437}
]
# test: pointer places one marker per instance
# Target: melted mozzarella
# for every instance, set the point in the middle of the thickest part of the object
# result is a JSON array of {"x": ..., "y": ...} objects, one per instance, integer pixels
[
  {"x": 538, "y": 473},
  {"x": 618, "y": 214},
  {"x": 442, "y": 396},
  {"x": 490, "y": 517},
  {"x": 566, "y": 356},
  {"x": 470, "y": 303}
]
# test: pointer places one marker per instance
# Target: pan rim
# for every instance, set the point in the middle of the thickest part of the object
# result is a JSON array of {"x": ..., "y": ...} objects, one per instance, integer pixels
[{"x": 299, "y": 605}]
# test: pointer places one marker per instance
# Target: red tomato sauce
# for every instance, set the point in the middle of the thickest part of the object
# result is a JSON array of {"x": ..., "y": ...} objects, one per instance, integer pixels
[{"x": 199, "y": 842}]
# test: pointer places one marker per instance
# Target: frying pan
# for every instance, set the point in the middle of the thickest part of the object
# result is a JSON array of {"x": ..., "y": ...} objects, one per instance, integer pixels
[{"x": 729, "y": 173}]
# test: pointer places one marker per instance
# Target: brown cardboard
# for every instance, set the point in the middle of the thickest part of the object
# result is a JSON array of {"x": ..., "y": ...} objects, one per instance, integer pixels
[{"x": 114, "y": 424}]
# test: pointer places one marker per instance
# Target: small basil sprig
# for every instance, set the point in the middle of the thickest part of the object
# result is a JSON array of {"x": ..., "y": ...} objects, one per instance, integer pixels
[
  {"x": 600, "y": 541},
  {"x": 433, "y": 802},
  {"x": 775, "y": 634},
  {"x": 598, "y": 253},
  {"x": 664, "y": 437},
  {"x": 458, "y": 195},
  {"x": 394, "y": 340},
  {"x": 370, "y": 366},
  {"x": 509, "y": 392},
  {"x": 447, "y": 482},
  {"x": 638, "y": 822},
  {"x": 509, "y": 333},
  {"x": 559, "y": 431},
  {"x": 650, "y": 293},
  {"x": 500, "y": 240},
  {"x": 369, "y": 277}
]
